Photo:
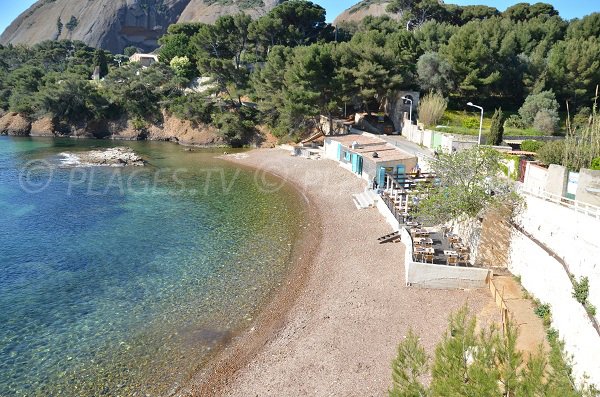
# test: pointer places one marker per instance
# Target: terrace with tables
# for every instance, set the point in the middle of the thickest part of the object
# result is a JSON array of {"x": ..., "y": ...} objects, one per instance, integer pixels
[{"x": 435, "y": 245}]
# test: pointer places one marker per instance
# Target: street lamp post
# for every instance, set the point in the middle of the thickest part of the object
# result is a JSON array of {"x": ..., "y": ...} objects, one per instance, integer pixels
[
  {"x": 410, "y": 110},
  {"x": 480, "y": 121}
]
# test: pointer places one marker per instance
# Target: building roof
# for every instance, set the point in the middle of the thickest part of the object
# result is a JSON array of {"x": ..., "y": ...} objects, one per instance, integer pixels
[
  {"x": 367, "y": 145},
  {"x": 348, "y": 140}
]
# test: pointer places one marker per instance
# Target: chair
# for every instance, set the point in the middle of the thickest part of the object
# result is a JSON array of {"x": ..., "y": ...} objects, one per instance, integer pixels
[
  {"x": 452, "y": 260},
  {"x": 464, "y": 259},
  {"x": 429, "y": 258}
]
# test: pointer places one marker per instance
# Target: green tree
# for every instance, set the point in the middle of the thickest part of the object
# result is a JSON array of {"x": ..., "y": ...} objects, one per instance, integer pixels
[
  {"x": 101, "y": 62},
  {"x": 485, "y": 363},
  {"x": 129, "y": 51},
  {"x": 138, "y": 91},
  {"x": 534, "y": 103},
  {"x": 574, "y": 66},
  {"x": 525, "y": 11},
  {"x": 466, "y": 181},
  {"x": 268, "y": 85},
  {"x": 219, "y": 50},
  {"x": 72, "y": 24},
  {"x": 59, "y": 27},
  {"x": 177, "y": 42},
  {"x": 435, "y": 73},
  {"x": 416, "y": 12},
  {"x": 311, "y": 89},
  {"x": 292, "y": 23},
  {"x": 69, "y": 98},
  {"x": 497, "y": 128}
]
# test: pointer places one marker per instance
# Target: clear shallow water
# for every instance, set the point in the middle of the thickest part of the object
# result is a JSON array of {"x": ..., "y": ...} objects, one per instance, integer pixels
[{"x": 119, "y": 281}]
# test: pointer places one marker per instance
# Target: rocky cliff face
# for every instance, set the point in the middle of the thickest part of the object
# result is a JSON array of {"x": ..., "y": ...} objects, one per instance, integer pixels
[
  {"x": 116, "y": 24},
  {"x": 359, "y": 11}
]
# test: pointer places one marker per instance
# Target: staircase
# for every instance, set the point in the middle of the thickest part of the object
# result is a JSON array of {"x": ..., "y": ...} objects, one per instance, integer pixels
[{"x": 366, "y": 199}]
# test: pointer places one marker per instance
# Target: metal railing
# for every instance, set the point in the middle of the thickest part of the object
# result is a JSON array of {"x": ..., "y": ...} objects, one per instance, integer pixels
[{"x": 578, "y": 206}]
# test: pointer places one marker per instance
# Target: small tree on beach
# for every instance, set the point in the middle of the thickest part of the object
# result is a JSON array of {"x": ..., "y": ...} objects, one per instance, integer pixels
[{"x": 468, "y": 183}]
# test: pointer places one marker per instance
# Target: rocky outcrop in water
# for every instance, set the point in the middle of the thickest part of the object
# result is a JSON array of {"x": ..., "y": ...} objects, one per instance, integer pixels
[
  {"x": 116, "y": 24},
  {"x": 113, "y": 157}
]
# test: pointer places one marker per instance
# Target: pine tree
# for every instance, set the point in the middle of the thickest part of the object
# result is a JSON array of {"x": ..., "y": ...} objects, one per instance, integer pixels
[
  {"x": 485, "y": 363},
  {"x": 100, "y": 62},
  {"x": 497, "y": 128}
]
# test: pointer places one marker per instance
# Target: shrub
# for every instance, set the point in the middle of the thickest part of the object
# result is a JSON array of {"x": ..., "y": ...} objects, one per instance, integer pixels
[
  {"x": 431, "y": 108},
  {"x": 581, "y": 290},
  {"x": 546, "y": 121},
  {"x": 542, "y": 310},
  {"x": 595, "y": 164},
  {"x": 470, "y": 122},
  {"x": 532, "y": 146},
  {"x": 514, "y": 121},
  {"x": 552, "y": 152},
  {"x": 534, "y": 103}
]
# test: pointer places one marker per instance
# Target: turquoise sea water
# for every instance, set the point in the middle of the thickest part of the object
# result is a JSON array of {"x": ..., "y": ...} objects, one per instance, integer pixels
[{"x": 119, "y": 281}]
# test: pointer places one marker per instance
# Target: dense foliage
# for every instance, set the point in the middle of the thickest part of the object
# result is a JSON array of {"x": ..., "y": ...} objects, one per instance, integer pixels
[
  {"x": 469, "y": 183},
  {"x": 292, "y": 66},
  {"x": 468, "y": 362}
]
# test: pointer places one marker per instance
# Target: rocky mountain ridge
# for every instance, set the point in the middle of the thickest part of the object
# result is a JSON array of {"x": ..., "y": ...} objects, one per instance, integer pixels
[{"x": 117, "y": 24}]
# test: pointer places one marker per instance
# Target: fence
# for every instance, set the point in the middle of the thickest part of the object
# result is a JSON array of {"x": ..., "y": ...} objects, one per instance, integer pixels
[{"x": 578, "y": 206}]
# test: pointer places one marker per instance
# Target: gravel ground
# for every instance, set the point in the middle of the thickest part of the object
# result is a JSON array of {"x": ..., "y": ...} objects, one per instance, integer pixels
[{"x": 340, "y": 329}]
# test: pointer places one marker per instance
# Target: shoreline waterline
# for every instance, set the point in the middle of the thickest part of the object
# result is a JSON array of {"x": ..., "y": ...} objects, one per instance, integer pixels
[
  {"x": 224, "y": 247},
  {"x": 248, "y": 342}
]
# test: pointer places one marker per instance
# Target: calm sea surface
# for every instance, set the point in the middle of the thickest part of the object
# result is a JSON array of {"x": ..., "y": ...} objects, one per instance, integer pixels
[{"x": 119, "y": 281}]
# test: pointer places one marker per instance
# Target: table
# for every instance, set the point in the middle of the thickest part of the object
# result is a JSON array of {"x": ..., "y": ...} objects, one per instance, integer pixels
[
  {"x": 413, "y": 224},
  {"x": 420, "y": 232},
  {"x": 423, "y": 241},
  {"x": 450, "y": 253},
  {"x": 427, "y": 250}
]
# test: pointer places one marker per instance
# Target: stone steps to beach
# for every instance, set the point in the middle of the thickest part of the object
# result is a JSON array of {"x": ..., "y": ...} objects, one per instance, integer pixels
[{"x": 365, "y": 199}]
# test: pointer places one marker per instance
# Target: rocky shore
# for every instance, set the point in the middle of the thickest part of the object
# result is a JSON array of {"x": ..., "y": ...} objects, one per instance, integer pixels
[{"x": 112, "y": 157}]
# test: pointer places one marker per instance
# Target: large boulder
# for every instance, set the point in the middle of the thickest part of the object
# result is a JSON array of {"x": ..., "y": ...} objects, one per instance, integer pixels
[{"x": 14, "y": 124}]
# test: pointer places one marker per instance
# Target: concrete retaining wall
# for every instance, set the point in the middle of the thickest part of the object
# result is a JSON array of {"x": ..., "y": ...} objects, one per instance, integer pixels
[
  {"x": 426, "y": 275},
  {"x": 545, "y": 278},
  {"x": 573, "y": 236}
]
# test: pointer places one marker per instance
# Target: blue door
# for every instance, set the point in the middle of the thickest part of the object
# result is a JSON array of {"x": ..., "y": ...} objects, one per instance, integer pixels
[
  {"x": 400, "y": 170},
  {"x": 380, "y": 176}
]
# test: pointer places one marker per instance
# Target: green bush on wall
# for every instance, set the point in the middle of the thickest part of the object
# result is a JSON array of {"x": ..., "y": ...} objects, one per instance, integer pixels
[
  {"x": 531, "y": 146},
  {"x": 596, "y": 164}
]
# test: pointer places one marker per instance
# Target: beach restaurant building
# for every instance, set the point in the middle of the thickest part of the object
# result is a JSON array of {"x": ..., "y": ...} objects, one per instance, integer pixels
[{"x": 368, "y": 156}]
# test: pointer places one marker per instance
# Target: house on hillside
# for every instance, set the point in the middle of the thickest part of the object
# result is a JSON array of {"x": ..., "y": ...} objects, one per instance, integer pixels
[
  {"x": 146, "y": 60},
  {"x": 368, "y": 156}
]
